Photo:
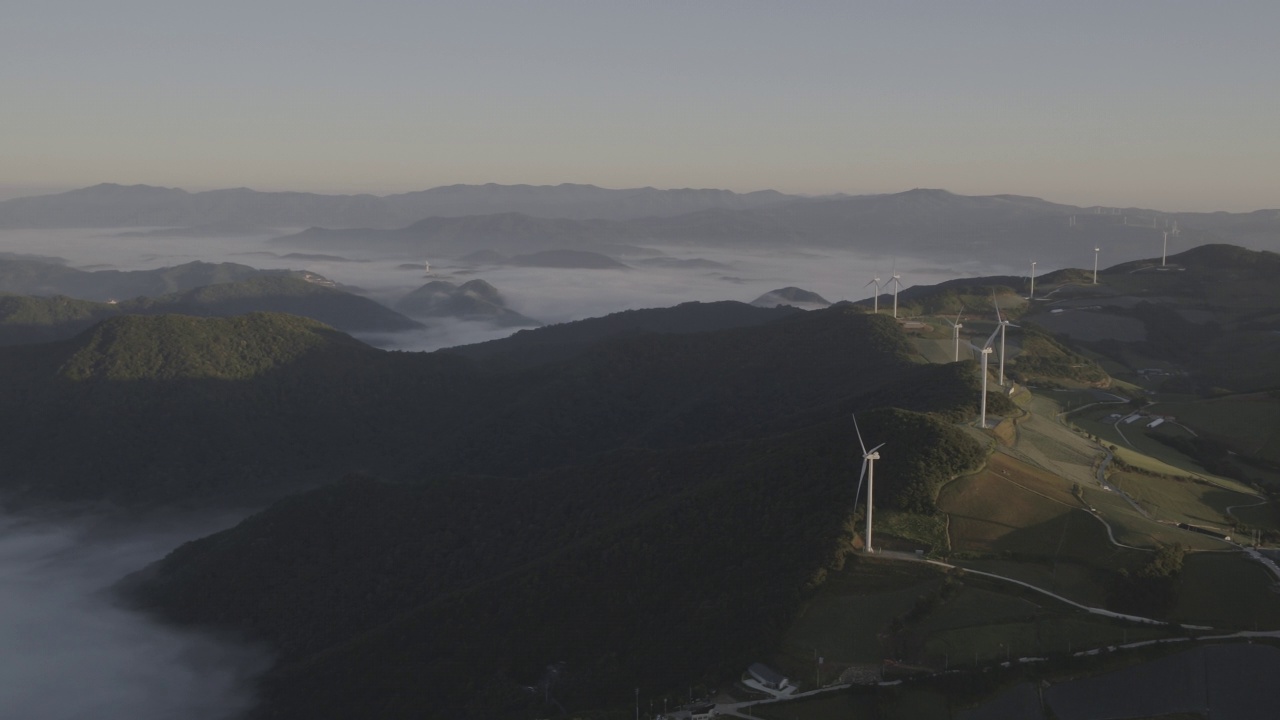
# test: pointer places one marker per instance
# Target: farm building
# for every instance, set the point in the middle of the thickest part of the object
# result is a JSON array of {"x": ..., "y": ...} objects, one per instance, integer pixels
[{"x": 767, "y": 676}]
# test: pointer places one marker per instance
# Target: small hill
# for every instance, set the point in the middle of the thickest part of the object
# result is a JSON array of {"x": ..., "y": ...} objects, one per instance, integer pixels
[
  {"x": 473, "y": 300},
  {"x": 793, "y": 296}
]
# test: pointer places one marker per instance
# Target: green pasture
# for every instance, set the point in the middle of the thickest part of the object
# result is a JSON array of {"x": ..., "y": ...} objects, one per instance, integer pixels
[
  {"x": 1132, "y": 528},
  {"x": 1046, "y": 443},
  {"x": 1226, "y": 590},
  {"x": 1179, "y": 499},
  {"x": 1014, "y": 510}
]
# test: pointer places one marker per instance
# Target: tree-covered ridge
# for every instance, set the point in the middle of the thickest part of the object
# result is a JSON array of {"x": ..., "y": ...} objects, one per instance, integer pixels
[
  {"x": 174, "y": 347},
  {"x": 183, "y": 405},
  {"x": 295, "y": 293},
  {"x": 551, "y": 343},
  {"x": 1043, "y": 357},
  {"x": 921, "y": 454},
  {"x": 28, "y": 319},
  {"x": 641, "y": 566}
]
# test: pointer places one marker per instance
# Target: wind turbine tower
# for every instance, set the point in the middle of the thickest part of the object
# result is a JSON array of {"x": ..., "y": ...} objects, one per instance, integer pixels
[
  {"x": 985, "y": 350},
  {"x": 1002, "y": 324},
  {"x": 875, "y": 282},
  {"x": 1095, "y": 265},
  {"x": 896, "y": 285},
  {"x": 955, "y": 332},
  {"x": 1032, "y": 294},
  {"x": 869, "y": 458},
  {"x": 1164, "y": 252}
]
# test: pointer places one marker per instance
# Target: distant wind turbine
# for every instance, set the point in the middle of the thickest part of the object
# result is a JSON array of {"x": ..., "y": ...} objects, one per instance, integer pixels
[
  {"x": 1003, "y": 323},
  {"x": 869, "y": 458},
  {"x": 876, "y": 283},
  {"x": 1095, "y": 264},
  {"x": 1165, "y": 251},
  {"x": 1032, "y": 294},
  {"x": 955, "y": 331}
]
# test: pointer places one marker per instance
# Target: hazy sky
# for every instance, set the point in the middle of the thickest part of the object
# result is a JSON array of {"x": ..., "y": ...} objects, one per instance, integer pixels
[{"x": 1173, "y": 105}]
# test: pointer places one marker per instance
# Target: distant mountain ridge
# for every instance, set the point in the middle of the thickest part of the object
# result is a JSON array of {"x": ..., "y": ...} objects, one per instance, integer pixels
[
  {"x": 111, "y": 205},
  {"x": 460, "y": 220}
]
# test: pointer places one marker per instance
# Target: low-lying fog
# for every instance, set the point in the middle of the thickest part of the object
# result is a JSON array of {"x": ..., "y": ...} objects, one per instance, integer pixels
[
  {"x": 546, "y": 294},
  {"x": 70, "y": 652}
]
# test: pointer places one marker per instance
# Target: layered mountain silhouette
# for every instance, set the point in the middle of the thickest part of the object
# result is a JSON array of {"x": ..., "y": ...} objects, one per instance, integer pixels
[{"x": 458, "y": 220}]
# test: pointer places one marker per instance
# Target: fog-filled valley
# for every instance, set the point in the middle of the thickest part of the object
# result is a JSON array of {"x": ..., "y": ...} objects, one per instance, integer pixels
[{"x": 73, "y": 651}]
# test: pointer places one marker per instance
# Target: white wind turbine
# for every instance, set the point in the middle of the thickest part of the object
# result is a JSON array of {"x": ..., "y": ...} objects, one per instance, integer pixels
[
  {"x": 894, "y": 281},
  {"x": 869, "y": 458},
  {"x": 1095, "y": 264},
  {"x": 985, "y": 350},
  {"x": 1002, "y": 325},
  {"x": 955, "y": 332},
  {"x": 875, "y": 282}
]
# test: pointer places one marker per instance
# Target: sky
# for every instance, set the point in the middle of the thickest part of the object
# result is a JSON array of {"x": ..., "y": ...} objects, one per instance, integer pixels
[{"x": 1167, "y": 105}]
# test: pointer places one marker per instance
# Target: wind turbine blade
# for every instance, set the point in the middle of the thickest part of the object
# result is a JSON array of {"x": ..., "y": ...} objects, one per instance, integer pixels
[
  {"x": 1009, "y": 324},
  {"x": 875, "y": 448},
  {"x": 855, "y": 429},
  {"x": 992, "y": 339},
  {"x": 975, "y": 347},
  {"x": 861, "y": 475},
  {"x": 999, "y": 318}
]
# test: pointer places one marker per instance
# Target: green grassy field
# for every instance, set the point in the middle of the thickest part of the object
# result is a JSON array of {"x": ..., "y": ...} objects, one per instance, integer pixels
[
  {"x": 1178, "y": 499},
  {"x": 1132, "y": 528},
  {"x": 1013, "y": 508}
]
